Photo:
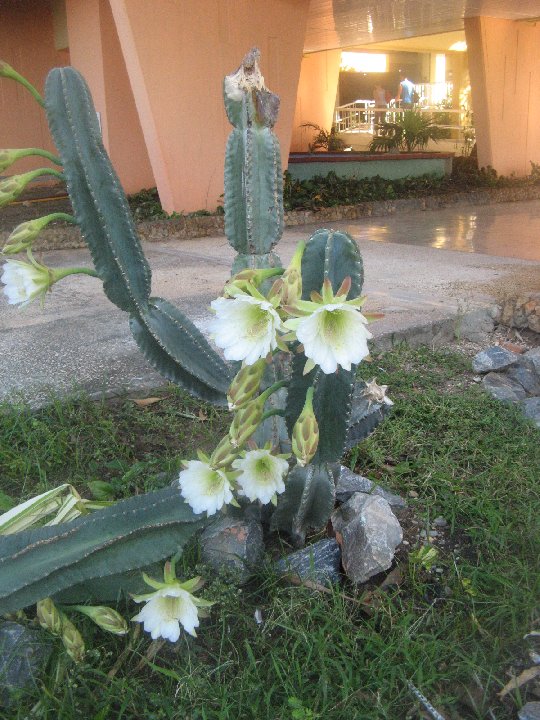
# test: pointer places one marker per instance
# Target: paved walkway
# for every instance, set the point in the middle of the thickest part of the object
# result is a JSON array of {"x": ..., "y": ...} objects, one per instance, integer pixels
[{"x": 427, "y": 271}]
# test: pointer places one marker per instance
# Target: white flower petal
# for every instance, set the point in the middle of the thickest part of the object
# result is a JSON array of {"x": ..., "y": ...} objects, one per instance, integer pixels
[
  {"x": 261, "y": 475},
  {"x": 335, "y": 334},
  {"x": 166, "y": 610},
  {"x": 245, "y": 327},
  {"x": 23, "y": 282},
  {"x": 204, "y": 488}
]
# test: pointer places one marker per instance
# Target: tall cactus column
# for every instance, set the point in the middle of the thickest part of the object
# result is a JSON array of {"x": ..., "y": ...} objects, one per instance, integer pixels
[{"x": 253, "y": 176}]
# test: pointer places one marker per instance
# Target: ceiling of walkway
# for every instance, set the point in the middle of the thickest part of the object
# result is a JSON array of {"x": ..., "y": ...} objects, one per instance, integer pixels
[{"x": 350, "y": 23}]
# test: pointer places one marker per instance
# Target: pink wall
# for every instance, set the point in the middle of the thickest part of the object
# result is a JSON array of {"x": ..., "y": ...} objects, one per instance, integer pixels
[
  {"x": 177, "y": 54},
  {"x": 27, "y": 44},
  {"x": 504, "y": 66},
  {"x": 95, "y": 52},
  {"x": 316, "y": 98}
]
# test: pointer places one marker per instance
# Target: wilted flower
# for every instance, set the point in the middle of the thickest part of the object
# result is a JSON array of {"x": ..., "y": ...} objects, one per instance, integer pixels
[
  {"x": 376, "y": 393},
  {"x": 205, "y": 488},
  {"x": 261, "y": 474},
  {"x": 245, "y": 327},
  {"x": 170, "y": 605},
  {"x": 332, "y": 330}
]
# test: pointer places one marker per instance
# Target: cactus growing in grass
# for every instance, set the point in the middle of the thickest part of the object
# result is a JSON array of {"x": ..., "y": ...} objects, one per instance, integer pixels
[{"x": 95, "y": 557}]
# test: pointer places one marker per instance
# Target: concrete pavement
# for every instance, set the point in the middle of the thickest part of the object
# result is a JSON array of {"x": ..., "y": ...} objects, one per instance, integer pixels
[{"x": 432, "y": 273}]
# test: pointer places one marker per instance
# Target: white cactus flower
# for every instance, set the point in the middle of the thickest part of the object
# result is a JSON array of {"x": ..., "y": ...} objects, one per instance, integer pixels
[
  {"x": 261, "y": 474},
  {"x": 332, "y": 329},
  {"x": 169, "y": 606},
  {"x": 24, "y": 281},
  {"x": 245, "y": 327},
  {"x": 204, "y": 488},
  {"x": 165, "y": 610}
]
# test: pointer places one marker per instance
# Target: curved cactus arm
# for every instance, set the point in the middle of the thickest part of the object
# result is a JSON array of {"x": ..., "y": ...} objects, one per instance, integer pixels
[
  {"x": 97, "y": 197},
  {"x": 128, "y": 535},
  {"x": 179, "y": 351},
  {"x": 306, "y": 503}
]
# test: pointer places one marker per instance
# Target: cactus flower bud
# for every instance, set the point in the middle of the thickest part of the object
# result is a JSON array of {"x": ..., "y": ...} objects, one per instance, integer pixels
[
  {"x": 224, "y": 454},
  {"x": 242, "y": 281},
  {"x": 305, "y": 434},
  {"x": 8, "y": 157},
  {"x": 13, "y": 186},
  {"x": 246, "y": 421},
  {"x": 24, "y": 234},
  {"x": 72, "y": 640},
  {"x": 106, "y": 618},
  {"x": 246, "y": 384},
  {"x": 289, "y": 286},
  {"x": 49, "y": 617}
]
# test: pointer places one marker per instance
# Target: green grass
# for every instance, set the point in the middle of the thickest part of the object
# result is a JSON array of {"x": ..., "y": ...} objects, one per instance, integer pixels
[{"x": 455, "y": 634}]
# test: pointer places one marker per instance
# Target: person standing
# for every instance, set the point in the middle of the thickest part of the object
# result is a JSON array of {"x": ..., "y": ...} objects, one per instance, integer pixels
[
  {"x": 405, "y": 92},
  {"x": 379, "y": 95}
]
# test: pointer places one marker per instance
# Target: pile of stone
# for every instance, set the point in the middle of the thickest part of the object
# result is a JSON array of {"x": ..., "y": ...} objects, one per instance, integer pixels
[
  {"x": 522, "y": 312},
  {"x": 512, "y": 377}
]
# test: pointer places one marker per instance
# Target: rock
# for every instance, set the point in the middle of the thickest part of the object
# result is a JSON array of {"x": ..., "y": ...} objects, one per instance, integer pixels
[
  {"x": 531, "y": 409},
  {"x": 530, "y": 711},
  {"x": 24, "y": 653},
  {"x": 368, "y": 532},
  {"x": 476, "y": 325},
  {"x": 512, "y": 347},
  {"x": 440, "y": 522},
  {"x": 320, "y": 562},
  {"x": 493, "y": 358},
  {"x": 502, "y": 388},
  {"x": 534, "y": 356},
  {"x": 236, "y": 543},
  {"x": 349, "y": 483},
  {"x": 524, "y": 373}
]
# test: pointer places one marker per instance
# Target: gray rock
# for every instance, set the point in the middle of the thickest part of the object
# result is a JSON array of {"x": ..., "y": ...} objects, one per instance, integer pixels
[
  {"x": 440, "y": 522},
  {"x": 476, "y": 325},
  {"x": 502, "y": 388},
  {"x": 524, "y": 373},
  {"x": 493, "y": 358},
  {"x": 320, "y": 562},
  {"x": 369, "y": 533},
  {"x": 24, "y": 653},
  {"x": 349, "y": 483},
  {"x": 235, "y": 543},
  {"x": 534, "y": 356},
  {"x": 531, "y": 409},
  {"x": 530, "y": 711}
]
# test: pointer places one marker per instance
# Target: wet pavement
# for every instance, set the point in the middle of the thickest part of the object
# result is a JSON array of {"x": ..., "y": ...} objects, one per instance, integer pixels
[{"x": 427, "y": 271}]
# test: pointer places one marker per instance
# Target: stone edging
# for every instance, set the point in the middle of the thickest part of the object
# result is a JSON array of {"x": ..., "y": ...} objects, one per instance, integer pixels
[{"x": 182, "y": 228}]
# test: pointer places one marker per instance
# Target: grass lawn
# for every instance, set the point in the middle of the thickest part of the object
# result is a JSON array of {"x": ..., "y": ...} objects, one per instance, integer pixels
[{"x": 454, "y": 629}]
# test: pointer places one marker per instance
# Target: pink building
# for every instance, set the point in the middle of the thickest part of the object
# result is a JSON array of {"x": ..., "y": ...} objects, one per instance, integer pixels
[{"x": 155, "y": 70}]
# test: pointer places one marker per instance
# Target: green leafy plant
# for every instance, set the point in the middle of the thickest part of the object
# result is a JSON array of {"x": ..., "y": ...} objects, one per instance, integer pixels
[
  {"x": 324, "y": 139},
  {"x": 409, "y": 132}
]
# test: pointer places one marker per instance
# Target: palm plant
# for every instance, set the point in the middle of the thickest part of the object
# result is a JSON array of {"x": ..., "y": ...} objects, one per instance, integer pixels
[
  {"x": 412, "y": 131},
  {"x": 329, "y": 141}
]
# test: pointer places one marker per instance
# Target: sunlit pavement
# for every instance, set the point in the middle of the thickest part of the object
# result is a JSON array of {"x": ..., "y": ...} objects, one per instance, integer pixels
[{"x": 425, "y": 271}]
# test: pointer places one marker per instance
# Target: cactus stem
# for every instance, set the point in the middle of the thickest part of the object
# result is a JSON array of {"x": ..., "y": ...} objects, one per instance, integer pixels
[
  {"x": 271, "y": 413},
  {"x": 8, "y": 72}
]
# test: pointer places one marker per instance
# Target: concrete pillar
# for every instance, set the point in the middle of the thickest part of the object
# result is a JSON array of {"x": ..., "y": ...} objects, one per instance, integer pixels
[
  {"x": 95, "y": 52},
  {"x": 316, "y": 99},
  {"x": 504, "y": 67},
  {"x": 177, "y": 54}
]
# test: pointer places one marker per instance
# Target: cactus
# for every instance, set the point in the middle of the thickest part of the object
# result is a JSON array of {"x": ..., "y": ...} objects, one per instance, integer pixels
[
  {"x": 98, "y": 556},
  {"x": 168, "y": 339},
  {"x": 253, "y": 177},
  {"x": 133, "y": 533}
]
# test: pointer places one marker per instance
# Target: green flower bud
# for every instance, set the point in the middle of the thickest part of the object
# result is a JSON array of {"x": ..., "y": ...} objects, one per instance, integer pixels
[
  {"x": 289, "y": 286},
  {"x": 13, "y": 186},
  {"x": 24, "y": 234},
  {"x": 224, "y": 454},
  {"x": 246, "y": 421},
  {"x": 49, "y": 616},
  {"x": 305, "y": 434},
  {"x": 242, "y": 281},
  {"x": 106, "y": 618},
  {"x": 8, "y": 157},
  {"x": 72, "y": 640},
  {"x": 246, "y": 384}
]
